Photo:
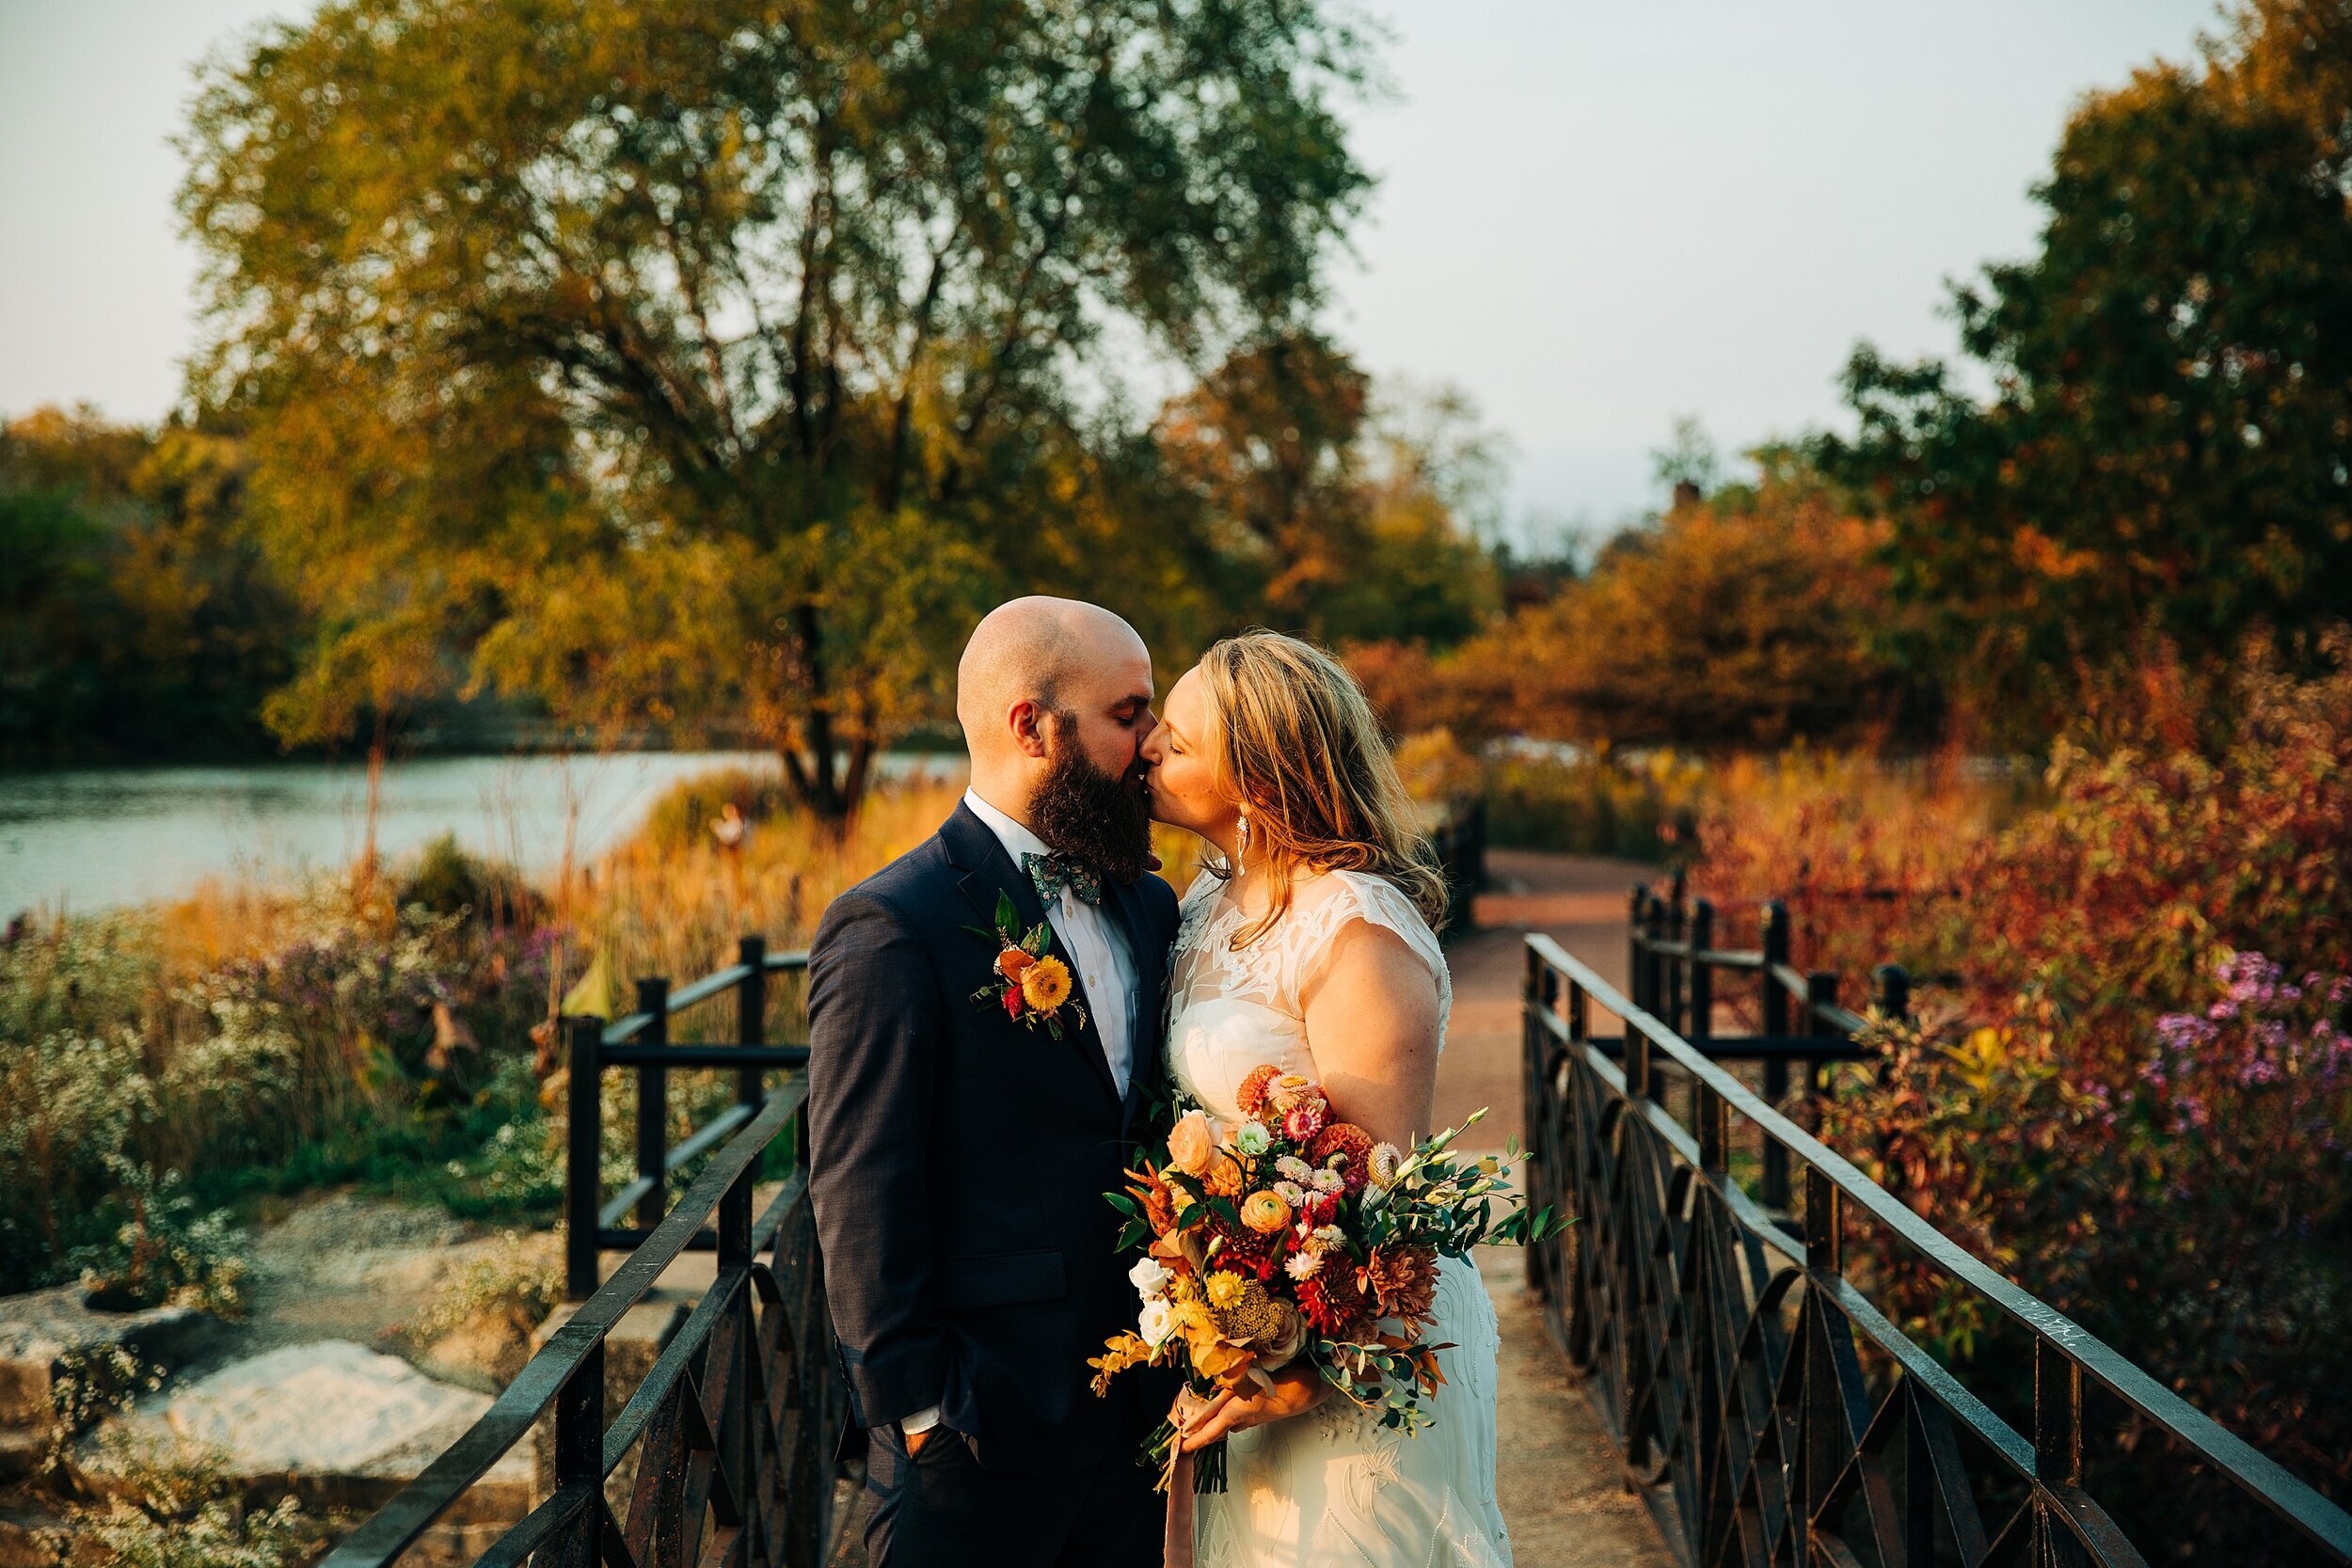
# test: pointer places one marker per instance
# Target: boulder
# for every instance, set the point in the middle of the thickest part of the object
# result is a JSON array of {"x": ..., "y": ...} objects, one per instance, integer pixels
[
  {"x": 43, "y": 1332},
  {"x": 332, "y": 1407}
]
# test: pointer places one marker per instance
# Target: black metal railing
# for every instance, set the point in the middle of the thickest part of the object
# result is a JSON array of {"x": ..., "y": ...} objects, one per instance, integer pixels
[
  {"x": 1765, "y": 1410},
  {"x": 641, "y": 1042},
  {"x": 722, "y": 1453},
  {"x": 1672, "y": 970},
  {"x": 1460, "y": 841}
]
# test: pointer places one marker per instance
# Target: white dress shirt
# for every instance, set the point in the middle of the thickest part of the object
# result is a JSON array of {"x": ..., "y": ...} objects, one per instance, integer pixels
[{"x": 1089, "y": 936}]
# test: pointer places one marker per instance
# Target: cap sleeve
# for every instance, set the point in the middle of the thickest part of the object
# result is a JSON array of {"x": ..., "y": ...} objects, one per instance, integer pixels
[{"x": 1360, "y": 896}]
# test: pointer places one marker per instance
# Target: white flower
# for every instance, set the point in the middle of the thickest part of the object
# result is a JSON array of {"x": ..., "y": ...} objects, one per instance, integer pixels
[
  {"x": 1445, "y": 1194},
  {"x": 1293, "y": 1168},
  {"x": 1158, "y": 1321},
  {"x": 1150, "y": 1278},
  {"x": 1331, "y": 1235},
  {"x": 1303, "y": 1265},
  {"x": 1327, "y": 1181},
  {"x": 1292, "y": 1193},
  {"x": 1251, "y": 1138},
  {"x": 1386, "y": 1158}
]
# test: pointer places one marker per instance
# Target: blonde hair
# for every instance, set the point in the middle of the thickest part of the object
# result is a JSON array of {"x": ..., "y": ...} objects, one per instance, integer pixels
[{"x": 1297, "y": 746}]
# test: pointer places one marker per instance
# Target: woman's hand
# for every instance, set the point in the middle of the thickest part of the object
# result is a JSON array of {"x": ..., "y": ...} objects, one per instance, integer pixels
[{"x": 1201, "y": 1422}]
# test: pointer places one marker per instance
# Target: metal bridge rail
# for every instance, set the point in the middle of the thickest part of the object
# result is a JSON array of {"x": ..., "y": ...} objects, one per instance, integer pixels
[{"x": 1723, "y": 1341}]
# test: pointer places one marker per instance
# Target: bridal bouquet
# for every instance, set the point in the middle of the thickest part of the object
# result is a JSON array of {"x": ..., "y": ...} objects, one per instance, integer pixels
[{"x": 1292, "y": 1238}]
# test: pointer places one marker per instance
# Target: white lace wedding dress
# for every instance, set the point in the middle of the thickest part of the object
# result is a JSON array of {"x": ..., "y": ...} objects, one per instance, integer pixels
[{"x": 1332, "y": 1487}]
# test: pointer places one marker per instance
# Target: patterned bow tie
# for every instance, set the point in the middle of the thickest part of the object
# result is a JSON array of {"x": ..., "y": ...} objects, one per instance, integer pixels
[{"x": 1050, "y": 873}]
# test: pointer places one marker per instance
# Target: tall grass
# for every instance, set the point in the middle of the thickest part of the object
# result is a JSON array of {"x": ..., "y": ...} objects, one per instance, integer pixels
[{"x": 388, "y": 1027}]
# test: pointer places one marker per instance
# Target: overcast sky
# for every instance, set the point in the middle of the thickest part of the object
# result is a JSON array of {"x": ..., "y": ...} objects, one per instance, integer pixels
[{"x": 1592, "y": 218}]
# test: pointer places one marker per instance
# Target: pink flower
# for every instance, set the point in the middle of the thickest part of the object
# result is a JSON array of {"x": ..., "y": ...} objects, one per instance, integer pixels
[{"x": 1302, "y": 1123}]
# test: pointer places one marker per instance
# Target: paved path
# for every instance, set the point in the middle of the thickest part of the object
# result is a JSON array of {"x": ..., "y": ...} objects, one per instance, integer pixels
[{"x": 1555, "y": 1472}]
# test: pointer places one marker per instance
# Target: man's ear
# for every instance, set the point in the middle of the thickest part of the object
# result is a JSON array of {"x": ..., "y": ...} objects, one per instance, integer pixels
[{"x": 1027, "y": 721}]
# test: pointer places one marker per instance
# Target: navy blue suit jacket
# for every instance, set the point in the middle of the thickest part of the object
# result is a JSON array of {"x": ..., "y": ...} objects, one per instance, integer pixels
[{"x": 958, "y": 1161}]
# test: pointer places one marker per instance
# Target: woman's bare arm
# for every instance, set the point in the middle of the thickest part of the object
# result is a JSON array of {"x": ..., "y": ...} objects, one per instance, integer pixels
[{"x": 1372, "y": 1025}]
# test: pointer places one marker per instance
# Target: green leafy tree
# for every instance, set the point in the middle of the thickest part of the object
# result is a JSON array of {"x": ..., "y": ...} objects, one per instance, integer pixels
[
  {"x": 677, "y": 364},
  {"x": 137, "y": 617},
  {"x": 2168, "y": 448}
]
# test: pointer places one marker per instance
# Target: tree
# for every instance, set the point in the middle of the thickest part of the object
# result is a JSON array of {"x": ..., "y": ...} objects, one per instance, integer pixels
[
  {"x": 137, "y": 616},
  {"x": 2167, "y": 450},
  {"x": 1345, "y": 515},
  {"x": 1748, "y": 619},
  {"x": 678, "y": 363}
]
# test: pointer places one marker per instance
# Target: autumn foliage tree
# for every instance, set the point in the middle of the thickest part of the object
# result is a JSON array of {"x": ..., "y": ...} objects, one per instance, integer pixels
[
  {"x": 2168, "y": 447},
  {"x": 677, "y": 362},
  {"x": 1745, "y": 619}
]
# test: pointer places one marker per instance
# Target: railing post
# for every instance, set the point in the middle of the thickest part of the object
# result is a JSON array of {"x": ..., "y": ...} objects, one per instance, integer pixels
[
  {"x": 1637, "y": 1074},
  {"x": 1702, "y": 1023},
  {"x": 583, "y": 1189},
  {"x": 1678, "y": 970},
  {"x": 2058, "y": 1416},
  {"x": 1820, "y": 993},
  {"x": 1776, "y": 1009},
  {"x": 1712, "y": 1119},
  {"x": 1890, "y": 991},
  {"x": 750, "y": 1013},
  {"x": 1821, "y": 1454},
  {"x": 1540, "y": 995},
  {"x": 736, "y": 1452},
  {"x": 579, "y": 1442},
  {"x": 1636, "y": 957},
  {"x": 653, "y": 1104}
]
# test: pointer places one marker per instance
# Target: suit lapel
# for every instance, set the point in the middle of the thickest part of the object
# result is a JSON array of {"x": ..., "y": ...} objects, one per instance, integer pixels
[{"x": 988, "y": 869}]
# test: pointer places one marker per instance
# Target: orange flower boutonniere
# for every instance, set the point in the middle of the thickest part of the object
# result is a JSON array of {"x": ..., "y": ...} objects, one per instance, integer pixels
[{"x": 1026, "y": 980}]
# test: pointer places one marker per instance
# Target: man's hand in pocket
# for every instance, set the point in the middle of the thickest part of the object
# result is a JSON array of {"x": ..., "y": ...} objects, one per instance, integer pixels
[{"x": 915, "y": 1441}]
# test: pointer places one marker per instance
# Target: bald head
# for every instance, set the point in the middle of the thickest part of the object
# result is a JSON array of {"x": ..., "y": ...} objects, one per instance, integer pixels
[{"x": 1034, "y": 658}]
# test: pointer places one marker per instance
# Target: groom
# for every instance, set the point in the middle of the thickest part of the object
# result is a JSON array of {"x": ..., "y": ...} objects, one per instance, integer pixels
[{"x": 959, "y": 1158}]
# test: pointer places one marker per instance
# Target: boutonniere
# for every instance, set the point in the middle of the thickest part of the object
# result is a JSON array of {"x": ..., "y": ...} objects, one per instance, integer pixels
[{"x": 1030, "y": 984}]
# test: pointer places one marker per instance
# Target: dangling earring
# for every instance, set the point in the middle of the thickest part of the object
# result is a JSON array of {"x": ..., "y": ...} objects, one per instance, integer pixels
[{"x": 1241, "y": 840}]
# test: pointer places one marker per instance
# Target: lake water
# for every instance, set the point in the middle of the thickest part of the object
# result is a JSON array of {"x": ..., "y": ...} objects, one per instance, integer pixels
[{"x": 95, "y": 838}]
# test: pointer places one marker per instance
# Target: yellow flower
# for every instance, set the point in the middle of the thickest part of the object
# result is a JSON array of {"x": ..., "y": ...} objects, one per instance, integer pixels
[
  {"x": 1045, "y": 984},
  {"x": 1225, "y": 1287}
]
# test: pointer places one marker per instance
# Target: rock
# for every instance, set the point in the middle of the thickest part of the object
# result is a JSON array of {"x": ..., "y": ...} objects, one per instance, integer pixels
[
  {"x": 485, "y": 1353},
  {"x": 332, "y": 1407},
  {"x": 42, "y": 1329}
]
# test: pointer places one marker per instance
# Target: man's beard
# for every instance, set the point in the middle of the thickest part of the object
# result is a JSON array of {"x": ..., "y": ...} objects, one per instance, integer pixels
[{"x": 1092, "y": 815}]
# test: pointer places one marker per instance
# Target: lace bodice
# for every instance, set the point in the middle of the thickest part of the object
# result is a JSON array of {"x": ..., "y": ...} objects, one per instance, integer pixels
[{"x": 1228, "y": 1010}]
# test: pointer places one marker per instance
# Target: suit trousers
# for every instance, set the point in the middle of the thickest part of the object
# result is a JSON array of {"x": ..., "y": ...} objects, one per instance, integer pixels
[{"x": 940, "y": 1508}]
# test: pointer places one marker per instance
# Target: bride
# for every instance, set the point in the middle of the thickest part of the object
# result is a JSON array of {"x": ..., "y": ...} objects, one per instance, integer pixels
[{"x": 1308, "y": 943}]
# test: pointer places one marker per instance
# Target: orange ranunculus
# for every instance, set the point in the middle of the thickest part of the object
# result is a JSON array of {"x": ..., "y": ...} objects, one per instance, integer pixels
[
  {"x": 1191, "y": 1145},
  {"x": 1012, "y": 961},
  {"x": 1045, "y": 984},
  {"x": 1265, "y": 1214}
]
